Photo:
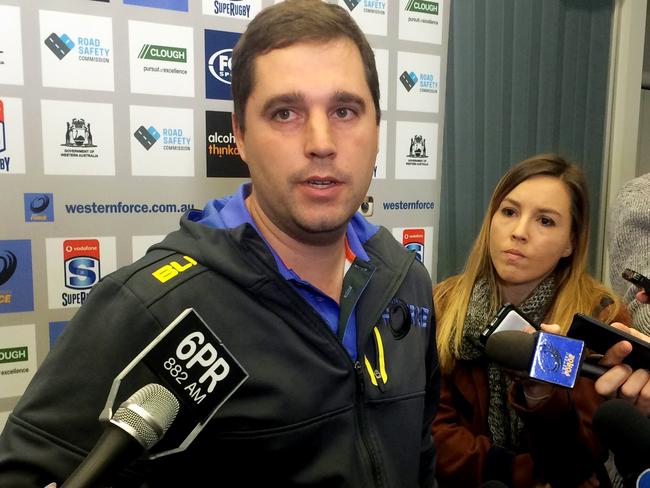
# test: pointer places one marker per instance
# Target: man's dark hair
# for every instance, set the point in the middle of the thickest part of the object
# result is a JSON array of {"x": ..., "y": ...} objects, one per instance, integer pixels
[{"x": 288, "y": 23}]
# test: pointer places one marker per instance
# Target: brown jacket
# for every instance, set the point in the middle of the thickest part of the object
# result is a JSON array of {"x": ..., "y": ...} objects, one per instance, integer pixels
[{"x": 560, "y": 447}]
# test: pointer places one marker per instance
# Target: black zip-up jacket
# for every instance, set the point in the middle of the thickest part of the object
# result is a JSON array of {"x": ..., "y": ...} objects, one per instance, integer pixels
[{"x": 308, "y": 415}]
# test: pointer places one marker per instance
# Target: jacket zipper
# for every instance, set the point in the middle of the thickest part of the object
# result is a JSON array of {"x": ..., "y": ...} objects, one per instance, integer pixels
[{"x": 363, "y": 425}]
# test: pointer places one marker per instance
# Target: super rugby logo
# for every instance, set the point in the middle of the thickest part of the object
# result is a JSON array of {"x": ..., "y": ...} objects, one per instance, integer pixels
[
  {"x": 220, "y": 65},
  {"x": 413, "y": 240},
  {"x": 81, "y": 265},
  {"x": 8, "y": 263},
  {"x": 232, "y": 8},
  {"x": 3, "y": 143}
]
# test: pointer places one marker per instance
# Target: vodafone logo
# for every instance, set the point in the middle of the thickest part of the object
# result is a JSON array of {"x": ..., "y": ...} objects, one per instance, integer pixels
[{"x": 413, "y": 235}]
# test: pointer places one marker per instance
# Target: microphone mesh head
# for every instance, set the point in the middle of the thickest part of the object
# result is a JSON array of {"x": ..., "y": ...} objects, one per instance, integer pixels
[
  {"x": 158, "y": 403},
  {"x": 512, "y": 349}
]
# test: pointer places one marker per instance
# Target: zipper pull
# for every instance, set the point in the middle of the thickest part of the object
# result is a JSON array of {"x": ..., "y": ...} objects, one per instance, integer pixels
[
  {"x": 358, "y": 369},
  {"x": 380, "y": 381}
]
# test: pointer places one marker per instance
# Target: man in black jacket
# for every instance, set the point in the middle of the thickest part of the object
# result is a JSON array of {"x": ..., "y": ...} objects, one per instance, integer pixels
[{"x": 329, "y": 315}]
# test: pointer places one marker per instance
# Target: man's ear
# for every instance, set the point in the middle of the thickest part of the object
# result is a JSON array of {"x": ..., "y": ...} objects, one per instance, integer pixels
[{"x": 239, "y": 136}]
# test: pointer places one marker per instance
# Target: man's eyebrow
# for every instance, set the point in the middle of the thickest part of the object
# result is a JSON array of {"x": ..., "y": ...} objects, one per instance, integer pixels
[
  {"x": 283, "y": 99},
  {"x": 297, "y": 98},
  {"x": 347, "y": 97}
]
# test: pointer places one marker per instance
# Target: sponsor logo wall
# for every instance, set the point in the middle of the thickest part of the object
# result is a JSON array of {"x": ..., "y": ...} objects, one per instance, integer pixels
[{"x": 115, "y": 118}]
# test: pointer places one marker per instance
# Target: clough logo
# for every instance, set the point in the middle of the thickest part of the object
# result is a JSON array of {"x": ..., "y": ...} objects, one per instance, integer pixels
[
  {"x": 163, "y": 53},
  {"x": 14, "y": 354},
  {"x": 8, "y": 263},
  {"x": 220, "y": 64},
  {"x": 423, "y": 6}
]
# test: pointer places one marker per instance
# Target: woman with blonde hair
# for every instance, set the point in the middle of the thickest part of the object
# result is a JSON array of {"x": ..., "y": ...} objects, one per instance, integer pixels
[{"x": 531, "y": 251}]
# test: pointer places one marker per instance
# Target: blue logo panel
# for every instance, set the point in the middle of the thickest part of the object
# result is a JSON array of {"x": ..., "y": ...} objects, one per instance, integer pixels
[
  {"x": 180, "y": 5},
  {"x": 39, "y": 207},
  {"x": 218, "y": 62},
  {"x": 16, "y": 285},
  {"x": 56, "y": 328}
]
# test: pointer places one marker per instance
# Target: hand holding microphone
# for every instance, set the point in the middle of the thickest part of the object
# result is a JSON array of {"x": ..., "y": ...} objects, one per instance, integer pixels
[{"x": 622, "y": 380}]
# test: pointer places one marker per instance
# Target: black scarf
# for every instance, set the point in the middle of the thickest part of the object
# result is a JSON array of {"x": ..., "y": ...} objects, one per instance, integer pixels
[{"x": 505, "y": 425}]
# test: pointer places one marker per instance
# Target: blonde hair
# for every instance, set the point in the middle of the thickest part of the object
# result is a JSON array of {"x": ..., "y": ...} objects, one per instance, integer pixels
[{"x": 576, "y": 291}]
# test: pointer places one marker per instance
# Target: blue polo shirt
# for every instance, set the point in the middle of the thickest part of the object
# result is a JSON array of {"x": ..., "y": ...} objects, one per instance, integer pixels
[{"x": 231, "y": 212}]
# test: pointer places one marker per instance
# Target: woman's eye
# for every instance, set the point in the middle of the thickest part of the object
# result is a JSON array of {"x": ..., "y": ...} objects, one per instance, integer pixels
[
  {"x": 508, "y": 212},
  {"x": 546, "y": 222}
]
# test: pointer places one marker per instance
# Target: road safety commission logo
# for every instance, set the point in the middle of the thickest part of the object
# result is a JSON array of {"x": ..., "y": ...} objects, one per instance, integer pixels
[
  {"x": 218, "y": 63},
  {"x": 39, "y": 207},
  {"x": 76, "y": 51},
  {"x": 146, "y": 137},
  {"x": 163, "y": 141},
  {"x": 371, "y": 15},
  {"x": 74, "y": 266},
  {"x": 16, "y": 288},
  {"x": 419, "y": 77},
  {"x": 59, "y": 45},
  {"x": 222, "y": 156}
]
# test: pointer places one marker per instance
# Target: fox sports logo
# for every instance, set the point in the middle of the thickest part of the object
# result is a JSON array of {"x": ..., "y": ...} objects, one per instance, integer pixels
[{"x": 220, "y": 65}]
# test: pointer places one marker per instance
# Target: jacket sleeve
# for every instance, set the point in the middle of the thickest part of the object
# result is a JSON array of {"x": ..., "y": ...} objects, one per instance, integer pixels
[
  {"x": 467, "y": 457},
  {"x": 55, "y": 423}
]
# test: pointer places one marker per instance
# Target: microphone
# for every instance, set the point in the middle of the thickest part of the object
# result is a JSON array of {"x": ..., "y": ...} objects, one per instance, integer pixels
[
  {"x": 192, "y": 363},
  {"x": 543, "y": 356},
  {"x": 137, "y": 425},
  {"x": 626, "y": 431}
]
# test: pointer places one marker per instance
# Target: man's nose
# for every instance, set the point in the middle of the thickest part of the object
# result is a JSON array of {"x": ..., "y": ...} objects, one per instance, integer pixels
[{"x": 319, "y": 141}]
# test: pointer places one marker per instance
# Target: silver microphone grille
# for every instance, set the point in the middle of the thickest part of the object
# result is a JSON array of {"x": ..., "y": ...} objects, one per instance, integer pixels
[{"x": 147, "y": 414}]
